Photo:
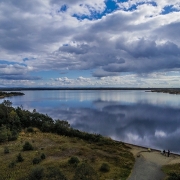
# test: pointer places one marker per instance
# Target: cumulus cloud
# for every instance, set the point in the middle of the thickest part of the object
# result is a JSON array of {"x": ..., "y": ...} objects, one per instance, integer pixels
[{"x": 137, "y": 37}]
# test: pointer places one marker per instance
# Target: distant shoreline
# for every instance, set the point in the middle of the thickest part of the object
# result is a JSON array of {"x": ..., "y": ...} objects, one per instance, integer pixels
[
  {"x": 163, "y": 90},
  {"x": 10, "y": 94}
]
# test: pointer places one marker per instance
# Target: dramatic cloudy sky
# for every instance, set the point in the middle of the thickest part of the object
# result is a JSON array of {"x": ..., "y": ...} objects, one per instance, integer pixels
[{"x": 124, "y": 43}]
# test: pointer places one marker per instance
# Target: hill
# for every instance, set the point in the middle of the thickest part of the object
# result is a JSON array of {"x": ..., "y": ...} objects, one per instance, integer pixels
[{"x": 34, "y": 146}]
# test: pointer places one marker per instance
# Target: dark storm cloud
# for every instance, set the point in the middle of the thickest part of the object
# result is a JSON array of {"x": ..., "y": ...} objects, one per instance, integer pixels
[
  {"x": 169, "y": 32},
  {"x": 148, "y": 48}
]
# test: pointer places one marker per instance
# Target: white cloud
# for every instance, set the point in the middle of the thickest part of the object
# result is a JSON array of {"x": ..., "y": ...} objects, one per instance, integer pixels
[{"x": 50, "y": 39}]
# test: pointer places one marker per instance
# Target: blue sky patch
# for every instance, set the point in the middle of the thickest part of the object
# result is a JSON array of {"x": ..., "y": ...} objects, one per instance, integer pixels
[
  {"x": 63, "y": 8},
  {"x": 134, "y": 6},
  {"x": 11, "y": 63},
  {"x": 111, "y": 6},
  {"x": 169, "y": 9}
]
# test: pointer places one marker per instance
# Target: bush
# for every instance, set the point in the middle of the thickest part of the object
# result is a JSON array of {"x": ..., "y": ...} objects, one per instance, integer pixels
[
  {"x": 54, "y": 173},
  {"x": 6, "y": 150},
  {"x": 105, "y": 167},
  {"x": 73, "y": 160},
  {"x": 174, "y": 176},
  {"x": 27, "y": 146},
  {"x": 12, "y": 135},
  {"x": 30, "y": 129},
  {"x": 3, "y": 134},
  {"x": 37, "y": 173},
  {"x": 12, "y": 164},
  {"x": 43, "y": 156},
  {"x": 36, "y": 160},
  {"x": 19, "y": 158},
  {"x": 85, "y": 172}
]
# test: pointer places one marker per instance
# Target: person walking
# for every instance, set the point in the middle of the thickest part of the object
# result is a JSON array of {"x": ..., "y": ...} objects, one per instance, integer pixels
[{"x": 168, "y": 153}]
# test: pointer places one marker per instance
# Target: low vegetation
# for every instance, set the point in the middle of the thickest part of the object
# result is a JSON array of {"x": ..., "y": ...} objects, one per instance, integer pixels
[
  {"x": 172, "y": 171},
  {"x": 34, "y": 146},
  {"x": 9, "y": 94}
]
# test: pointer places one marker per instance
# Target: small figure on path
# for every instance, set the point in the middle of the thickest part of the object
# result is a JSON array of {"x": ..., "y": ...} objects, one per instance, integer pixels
[
  {"x": 168, "y": 153},
  {"x": 164, "y": 152}
]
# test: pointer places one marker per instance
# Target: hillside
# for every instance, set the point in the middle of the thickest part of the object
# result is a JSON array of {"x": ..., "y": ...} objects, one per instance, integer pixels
[
  {"x": 54, "y": 150},
  {"x": 59, "y": 151}
]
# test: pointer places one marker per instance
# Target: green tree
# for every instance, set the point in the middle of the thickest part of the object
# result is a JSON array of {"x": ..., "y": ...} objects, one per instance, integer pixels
[
  {"x": 3, "y": 134},
  {"x": 12, "y": 135},
  {"x": 14, "y": 120},
  {"x": 7, "y": 105}
]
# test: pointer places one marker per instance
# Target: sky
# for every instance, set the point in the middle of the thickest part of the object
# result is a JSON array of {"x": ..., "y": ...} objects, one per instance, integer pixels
[{"x": 82, "y": 43}]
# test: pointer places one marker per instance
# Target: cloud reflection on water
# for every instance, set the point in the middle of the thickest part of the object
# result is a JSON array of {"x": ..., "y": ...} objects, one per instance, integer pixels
[
  {"x": 147, "y": 119},
  {"x": 138, "y": 123}
]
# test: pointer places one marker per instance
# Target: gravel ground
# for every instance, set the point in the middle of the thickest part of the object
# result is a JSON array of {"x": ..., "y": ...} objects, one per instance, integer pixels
[
  {"x": 148, "y": 164},
  {"x": 146, "y": 170}
]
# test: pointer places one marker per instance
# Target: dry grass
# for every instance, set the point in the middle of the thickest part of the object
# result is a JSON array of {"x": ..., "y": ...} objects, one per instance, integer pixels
[{"x": 58, "y": 150}]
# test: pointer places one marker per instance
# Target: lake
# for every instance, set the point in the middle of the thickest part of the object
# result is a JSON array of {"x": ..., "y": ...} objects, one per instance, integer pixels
[{"x": 132, "y": 116}]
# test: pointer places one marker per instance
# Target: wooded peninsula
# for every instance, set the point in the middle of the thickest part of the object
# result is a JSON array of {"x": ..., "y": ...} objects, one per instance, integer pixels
[{"x": 9, "y": 94}]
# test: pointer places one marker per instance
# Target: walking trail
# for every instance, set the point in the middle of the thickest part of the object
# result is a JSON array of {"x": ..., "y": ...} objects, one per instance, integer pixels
[{"x": 148, "y": 164}]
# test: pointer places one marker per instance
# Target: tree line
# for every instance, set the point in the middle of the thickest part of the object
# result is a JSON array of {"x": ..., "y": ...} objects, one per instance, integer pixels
[{"x": 13, "y": 120}]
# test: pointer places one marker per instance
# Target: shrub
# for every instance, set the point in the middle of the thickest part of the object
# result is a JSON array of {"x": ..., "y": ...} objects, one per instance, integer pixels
[
  {"x": 36, "y": 160},
  {"x": 27, "y": 146},
  {"x": 3, "y": 134},
  {"x": 6, "y": 150},
  {"x": 105, "y": 167},
  {"x": 12, "y": 135},
  {"x": 43, "y": 156},
  {"x": 85, "y": 172},
  {"x": 30, "y": 129},
  {"x": 73, "y": 160},
  {"x": 54, "y": 173},
  {"x": 37, "y": 173},
  {"x": 19, "y": 158},
  {"x": 174, "y": 176},
  {"x": 12, "y": 164}
]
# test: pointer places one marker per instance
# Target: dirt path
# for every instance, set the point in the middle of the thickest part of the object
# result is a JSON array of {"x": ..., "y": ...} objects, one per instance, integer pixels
[{"x": 148, "y": 164}]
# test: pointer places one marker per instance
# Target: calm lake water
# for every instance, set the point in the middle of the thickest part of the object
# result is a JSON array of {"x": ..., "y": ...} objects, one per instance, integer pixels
[{"x": 137, "y": 117}]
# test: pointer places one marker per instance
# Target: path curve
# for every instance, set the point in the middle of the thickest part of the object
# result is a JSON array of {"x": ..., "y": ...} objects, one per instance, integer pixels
[
  {"x": 146, "y": 170},
  {"x": 148, "y": 164}
]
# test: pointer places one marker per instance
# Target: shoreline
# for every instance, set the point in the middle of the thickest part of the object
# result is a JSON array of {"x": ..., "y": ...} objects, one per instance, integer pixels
[
  {"x": 145, "y": 149},
  {"x": 89, "y": 88}
]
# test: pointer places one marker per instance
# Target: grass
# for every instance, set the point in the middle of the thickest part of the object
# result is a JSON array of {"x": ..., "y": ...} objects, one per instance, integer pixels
[
  {"x": 172, "y": 171},
  {"x": 58, "y": 150}
]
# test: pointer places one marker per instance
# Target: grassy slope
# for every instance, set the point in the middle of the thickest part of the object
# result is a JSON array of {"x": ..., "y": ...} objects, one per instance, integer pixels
[
  {"x": 58, "y": 150},
  {"x": 172, "y": 171}
]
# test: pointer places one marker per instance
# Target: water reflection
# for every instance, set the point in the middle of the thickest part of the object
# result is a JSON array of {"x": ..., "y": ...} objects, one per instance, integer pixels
[
  {"x": 142, "y": 124},
  {"x": 147, "y": 119}
]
